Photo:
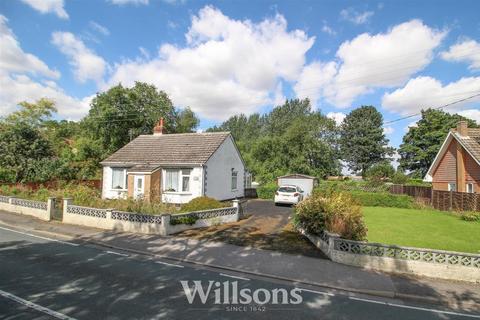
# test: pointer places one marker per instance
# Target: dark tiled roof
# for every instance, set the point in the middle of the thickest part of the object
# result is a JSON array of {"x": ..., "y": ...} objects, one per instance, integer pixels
[
  {"x": 169, "y": 149},
  {"x": 143, "y": 168},
  {"x": 471, "y": 142}
]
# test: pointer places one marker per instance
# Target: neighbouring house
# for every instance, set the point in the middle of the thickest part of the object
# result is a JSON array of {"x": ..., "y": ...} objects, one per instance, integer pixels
[
  {"x": 306, "y": 183},
  {"x": 175, "y": 167},
  {"x": 457, "y": 165}
]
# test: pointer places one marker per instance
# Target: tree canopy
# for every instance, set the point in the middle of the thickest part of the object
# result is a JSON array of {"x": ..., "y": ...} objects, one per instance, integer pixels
[
  {"x": 423, "y": 141},
  {"x": 362, "y": 140}
]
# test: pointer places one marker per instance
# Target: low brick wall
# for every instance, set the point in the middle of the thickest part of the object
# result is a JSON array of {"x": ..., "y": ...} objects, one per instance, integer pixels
[
  {"x": 37, "y": 209},
  {"x": 164, "y": 224},
  {"x": 395, "y": 259}
]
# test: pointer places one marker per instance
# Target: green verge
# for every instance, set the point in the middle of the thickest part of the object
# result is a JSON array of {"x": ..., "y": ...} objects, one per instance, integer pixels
[{"x": 422, "y": 228}]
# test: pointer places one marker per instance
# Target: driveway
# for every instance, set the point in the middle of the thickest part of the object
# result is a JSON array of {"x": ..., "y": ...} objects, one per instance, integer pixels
[{"x": 266, "y": 226}]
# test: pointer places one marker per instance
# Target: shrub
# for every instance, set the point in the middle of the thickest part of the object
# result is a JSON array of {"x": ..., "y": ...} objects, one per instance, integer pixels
[
  {"x": 267, "y": 191},
  {"x": 202, "y": 203},
  {"x": 383, "y": 199},
  {"x": 400, "y": 178},
  {"x": 470, "y": 216},
  {"x": 336, "y": 212},
  {"x": 184, "y": 220},
  {"x": 380, "y": 171}
]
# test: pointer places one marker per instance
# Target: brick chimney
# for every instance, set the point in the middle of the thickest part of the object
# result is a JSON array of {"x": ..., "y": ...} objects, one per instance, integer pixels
[
  {"x": 462, "y": 128},
  {"x": 158, "y": 129}
]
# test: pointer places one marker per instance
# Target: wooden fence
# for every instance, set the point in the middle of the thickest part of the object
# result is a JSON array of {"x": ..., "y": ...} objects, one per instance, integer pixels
[{"x": 441, "y": 200}]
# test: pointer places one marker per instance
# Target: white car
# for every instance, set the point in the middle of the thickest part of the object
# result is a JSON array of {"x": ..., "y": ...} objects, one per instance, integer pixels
[{"x": 288, "y": 195}]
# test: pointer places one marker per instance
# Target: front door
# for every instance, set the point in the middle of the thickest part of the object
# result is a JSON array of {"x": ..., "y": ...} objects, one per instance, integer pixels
[{"x": 138, "y": 187}]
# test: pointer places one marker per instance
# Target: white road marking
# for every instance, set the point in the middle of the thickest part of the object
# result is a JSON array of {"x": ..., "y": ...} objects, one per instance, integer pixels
[
  {"x": 117, "y": 253},
  {"x": 169, "y": 264},
  {"x": 417, "y": 308},
  {"x": 319, "y": 292},
  {"x": 35, "y": 306},
  {"x": 39, "y": 237},
  {"x": 234, "y": 277}
]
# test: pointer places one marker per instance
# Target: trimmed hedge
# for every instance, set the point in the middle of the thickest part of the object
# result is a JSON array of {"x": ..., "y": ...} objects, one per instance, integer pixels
[
  {"x": 202, "y": 203},
  {"x": 267, "y": 191},
  {"x": 383, "y": 199}
]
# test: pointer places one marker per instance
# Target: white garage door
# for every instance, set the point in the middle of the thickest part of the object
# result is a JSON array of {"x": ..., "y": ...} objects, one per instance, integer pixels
[{"x": 305, "y": 184}]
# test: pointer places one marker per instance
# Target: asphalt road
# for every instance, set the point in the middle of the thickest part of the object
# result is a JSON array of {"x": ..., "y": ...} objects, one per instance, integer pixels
[{"x": 45, "y": 279}]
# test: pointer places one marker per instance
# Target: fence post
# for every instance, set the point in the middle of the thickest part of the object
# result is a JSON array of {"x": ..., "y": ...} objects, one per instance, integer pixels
[
  {"x": 451, "y": 201},
  {"x": 108, "y": 213},
  {"x": 66, "y": 203},
  {"x": 236, "y": 204},
  {"x": 10, "y": 200},
  {"x": 165, "y": 225},
  {"x": 50, "y": 207},
  {"x": 331, "y": 243}
]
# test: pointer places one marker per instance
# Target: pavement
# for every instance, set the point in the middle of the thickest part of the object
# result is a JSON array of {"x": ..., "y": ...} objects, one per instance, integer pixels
[{"x": 269, "y": 266}]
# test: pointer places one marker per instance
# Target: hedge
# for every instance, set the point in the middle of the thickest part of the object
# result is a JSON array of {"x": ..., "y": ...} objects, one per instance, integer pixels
[
  {"x": 267, "y": 191},
  {"x": 383, "y": 199}
]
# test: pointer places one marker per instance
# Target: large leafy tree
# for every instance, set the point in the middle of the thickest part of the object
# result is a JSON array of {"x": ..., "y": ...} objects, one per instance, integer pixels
[
  {"x": 362, "y": 140},
  {"x": 422, "y": 142},
  {"x": 24, "y": 152},
  {"x": 291, "y": 138},
  {"x": 121, "y": 114}
]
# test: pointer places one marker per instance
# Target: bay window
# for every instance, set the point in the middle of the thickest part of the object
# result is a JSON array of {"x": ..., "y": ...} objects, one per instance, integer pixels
[
  {"x": 119, "y": 178},
  {"x": 177, "y": 180}
]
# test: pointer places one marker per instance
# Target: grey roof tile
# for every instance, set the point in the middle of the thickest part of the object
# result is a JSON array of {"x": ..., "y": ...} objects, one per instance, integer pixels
[{"x": 169, "y": 149}]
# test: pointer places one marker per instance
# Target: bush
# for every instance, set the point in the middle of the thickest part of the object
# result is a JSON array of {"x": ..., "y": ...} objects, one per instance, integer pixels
[
  {"x": 400, "y": 178},
  {"x": 267, "y": 191},
  {"x": 184, "y": 220},
  {"x": 470, "y": 216},
  {"x": 336, "y": 212},
  {"x": 380, "y": 171},
  {"x": 202, "y": 203},
  {"x": 383, "y": 199}
]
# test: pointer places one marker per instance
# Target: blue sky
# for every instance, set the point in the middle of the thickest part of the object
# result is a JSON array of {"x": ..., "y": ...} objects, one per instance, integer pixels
[{"x": 226, "y": 57}]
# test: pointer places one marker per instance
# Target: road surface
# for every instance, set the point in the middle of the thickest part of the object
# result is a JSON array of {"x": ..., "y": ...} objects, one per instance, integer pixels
[{"x": 44, "y": 278}]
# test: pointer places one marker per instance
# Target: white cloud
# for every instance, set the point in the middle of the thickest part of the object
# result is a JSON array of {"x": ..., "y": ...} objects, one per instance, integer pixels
[
  {"x": 99, "y": 28},
  {"x": 134, "y": 2},
  {"x": 14, "y": 59},
  {"x": 86, "y": 64},
  {"x": 48, "y": 6},
  {"x": 382, "y": 60},
  {"x": 473, "y": 114},
  {"x": 467, "y": 51},
  {"x": 313, "y": 79},
  {"x": 228, "y": 66},
  {"x": 16, "y": 84},
  {"x": 426, "y": 92},
  {"x": 388, "y": 130},
  {"x": 356, "y": 17},
  {"x": 327, "y": 29},
  {"x": 337, "y": 116},
  {"x": 19, "y": 88}
]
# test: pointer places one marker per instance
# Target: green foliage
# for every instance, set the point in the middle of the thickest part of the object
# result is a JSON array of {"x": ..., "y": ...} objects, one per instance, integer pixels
[
  {"x": 25, "y": 151},
  {"x": 380, "y": 171},
  {"x": 470, "y": 216},
  {"x": 291, "y": 138},
  {"x": 202, "y": 203},
  {"x": 362, "y": 141},
  {"x": 121, "y": 114},
  {"x": 187, "y": 121},
  {"x": 383, "y": 199},
  {"x": 267, "y": 190},
  {"x": 184, "y": 220},
  {"x": 351, "y": 185},
  {"x": 400, "y": 177},
  {"x": 336, "y": 212},
  {"x": 32, "y": 114},
  {"x": 422, "y": 142}
]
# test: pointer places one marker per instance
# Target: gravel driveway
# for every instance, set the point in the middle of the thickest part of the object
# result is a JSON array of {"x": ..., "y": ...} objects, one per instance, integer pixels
[{"x": 266, "y": 226}]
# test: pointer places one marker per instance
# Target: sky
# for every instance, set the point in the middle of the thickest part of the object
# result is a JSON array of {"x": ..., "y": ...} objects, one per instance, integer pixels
[{"x": 222, "y": 58}]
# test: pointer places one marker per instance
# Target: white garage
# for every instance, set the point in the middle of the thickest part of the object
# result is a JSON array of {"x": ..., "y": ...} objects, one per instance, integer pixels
[{"x": 307, "y": 183}]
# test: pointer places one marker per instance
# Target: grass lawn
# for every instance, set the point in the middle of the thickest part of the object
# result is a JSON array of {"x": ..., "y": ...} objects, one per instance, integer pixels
[{"x": 422, "y": 228}]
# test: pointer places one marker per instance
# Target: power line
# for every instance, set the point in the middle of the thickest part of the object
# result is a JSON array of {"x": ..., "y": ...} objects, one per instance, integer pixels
[{"x": 436, "y": 108}]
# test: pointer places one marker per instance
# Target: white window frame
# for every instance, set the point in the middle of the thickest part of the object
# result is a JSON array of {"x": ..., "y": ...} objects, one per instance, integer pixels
[
  {"x": 469, "y": 186},
  {"x": 452, "y": 186},
  {"x": 125, "y": 183},
  {"x": 180, "y": 176},
  {"x": 234, "y": 177}
]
